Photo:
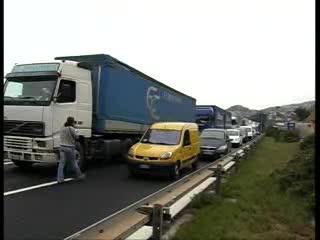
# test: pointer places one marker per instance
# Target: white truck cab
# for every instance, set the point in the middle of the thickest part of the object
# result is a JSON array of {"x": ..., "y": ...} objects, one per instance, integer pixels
[{"x": 38, "y": 98}]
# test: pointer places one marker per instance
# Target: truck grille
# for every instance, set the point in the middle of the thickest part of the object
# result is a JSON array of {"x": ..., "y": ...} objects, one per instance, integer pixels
[
  {"x": 23, "y": 128},
  {"x": 20, "y": 144}
]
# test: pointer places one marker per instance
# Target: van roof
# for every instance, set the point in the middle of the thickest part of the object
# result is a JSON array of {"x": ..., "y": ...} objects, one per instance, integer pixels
[{"x": 173, "y": 125}]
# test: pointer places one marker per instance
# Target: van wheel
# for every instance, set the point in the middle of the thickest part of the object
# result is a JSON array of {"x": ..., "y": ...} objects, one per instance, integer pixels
[
  {"x": 195, "y": 164},
  {"x": 80, "y": 157},
  {"x": 175, "y": 172},
  {"x": 22, "y": 164}
]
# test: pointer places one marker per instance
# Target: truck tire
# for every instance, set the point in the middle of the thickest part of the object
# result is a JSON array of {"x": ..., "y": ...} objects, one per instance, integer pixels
[
  {"x": 126, "y": 144},
  {"x": 22, "y": 164},
  {"x": 80, "y": 157}
]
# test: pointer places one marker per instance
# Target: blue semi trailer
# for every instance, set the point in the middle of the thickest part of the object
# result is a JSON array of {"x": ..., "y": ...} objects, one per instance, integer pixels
[
  {"x": 227, "y": 120},
  {"x": 112, "y": 103},
  {"x": 211, "y": 116}
]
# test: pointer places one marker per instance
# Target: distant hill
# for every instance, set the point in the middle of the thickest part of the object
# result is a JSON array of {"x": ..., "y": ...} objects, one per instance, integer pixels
[
  {"x": 291, "y": 107},
  {"x": 241, "y": 111},
  {"x": 276, "y": 113}
]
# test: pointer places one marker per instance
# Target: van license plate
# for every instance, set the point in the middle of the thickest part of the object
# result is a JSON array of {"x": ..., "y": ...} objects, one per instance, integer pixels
[{"x": 143, "y": 166}]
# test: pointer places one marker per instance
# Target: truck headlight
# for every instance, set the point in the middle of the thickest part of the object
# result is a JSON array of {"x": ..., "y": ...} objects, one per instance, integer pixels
[
  {"x": 131, "y": 153},
  {"x": 222, "y": 147},
  {"x": 39, "y": 144},
  {"x": 166, "y": 155},
  {"x": 42, "y": 144}
]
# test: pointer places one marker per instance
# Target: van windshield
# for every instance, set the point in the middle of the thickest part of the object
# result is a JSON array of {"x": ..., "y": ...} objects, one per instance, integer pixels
[{"x": 162, "y": 137}]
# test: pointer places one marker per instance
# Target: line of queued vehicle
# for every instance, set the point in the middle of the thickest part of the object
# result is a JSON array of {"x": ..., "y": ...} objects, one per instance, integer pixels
[{"x": 169, "y": 147}]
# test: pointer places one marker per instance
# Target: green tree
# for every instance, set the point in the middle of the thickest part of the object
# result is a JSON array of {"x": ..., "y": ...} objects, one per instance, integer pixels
[{"x": 301, "y": 113}]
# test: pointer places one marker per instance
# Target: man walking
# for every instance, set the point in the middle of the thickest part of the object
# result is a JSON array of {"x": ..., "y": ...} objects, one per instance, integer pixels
[{"x": 68, "y": 137}]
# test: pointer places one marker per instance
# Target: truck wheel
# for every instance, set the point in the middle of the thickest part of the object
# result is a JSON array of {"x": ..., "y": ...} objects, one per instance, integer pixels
[
  {"x": 22, "y": 164},
  {"x": 175, "y": 172},
  {"x": 80, "y": 157},
  {"x": 126, "y": 144}
]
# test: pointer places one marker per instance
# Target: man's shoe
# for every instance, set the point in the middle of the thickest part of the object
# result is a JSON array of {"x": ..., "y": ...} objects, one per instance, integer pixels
[{"x": 81, "y": 177}]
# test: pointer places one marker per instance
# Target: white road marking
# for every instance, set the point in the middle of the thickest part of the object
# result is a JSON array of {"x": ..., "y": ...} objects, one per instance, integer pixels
[
  {"x": 34, "y": 187},
  {"x": 7, "y": 163}
]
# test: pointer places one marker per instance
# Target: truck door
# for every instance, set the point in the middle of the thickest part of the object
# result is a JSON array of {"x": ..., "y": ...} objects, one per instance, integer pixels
[
  {"x": 65, "y": 106},
  {"x": 84, "y": 108}
]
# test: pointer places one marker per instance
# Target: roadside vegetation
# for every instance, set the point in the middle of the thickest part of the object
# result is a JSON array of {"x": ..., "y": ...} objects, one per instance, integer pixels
[
  {"x": 301, "y": 113},
  {"x": 281, "y": 135},
  {"x": 270, "y": 197}
]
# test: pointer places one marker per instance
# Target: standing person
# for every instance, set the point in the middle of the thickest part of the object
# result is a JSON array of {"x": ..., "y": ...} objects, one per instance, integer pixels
[{"x": 68, "y": 137}]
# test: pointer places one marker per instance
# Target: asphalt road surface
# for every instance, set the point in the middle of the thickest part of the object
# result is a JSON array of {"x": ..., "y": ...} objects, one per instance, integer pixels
[{"x": 53, "y": 211}]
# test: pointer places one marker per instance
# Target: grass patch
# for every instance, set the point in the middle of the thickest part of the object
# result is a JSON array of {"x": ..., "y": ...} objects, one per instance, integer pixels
[{"x": 259, "y": 210}]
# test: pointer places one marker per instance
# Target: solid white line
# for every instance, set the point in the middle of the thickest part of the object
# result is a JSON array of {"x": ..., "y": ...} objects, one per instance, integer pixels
[
  {"x": 34, "y": 187},
  {"x": 7, "y": 163}
]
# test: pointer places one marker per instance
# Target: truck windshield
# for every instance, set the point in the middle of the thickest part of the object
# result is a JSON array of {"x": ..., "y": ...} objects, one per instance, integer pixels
[
  {"x": 29, "y": 90},
  {"x": 202, "y": 119},
  {"x": 212, "y": 134},
  {"x": 163, "y": 137}
]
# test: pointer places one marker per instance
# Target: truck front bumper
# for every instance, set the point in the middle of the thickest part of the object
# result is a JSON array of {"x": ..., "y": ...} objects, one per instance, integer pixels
[
  {"x": 23, "y": 149},
  {"x": 30, "y": 156}
]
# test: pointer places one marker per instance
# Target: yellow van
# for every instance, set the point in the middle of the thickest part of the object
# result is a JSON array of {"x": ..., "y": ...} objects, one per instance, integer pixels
[{"x": 166, "y": 146}]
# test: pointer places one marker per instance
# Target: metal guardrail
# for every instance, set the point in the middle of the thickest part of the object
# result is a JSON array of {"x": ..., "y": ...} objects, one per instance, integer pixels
[{"x": 132, "y": 221}]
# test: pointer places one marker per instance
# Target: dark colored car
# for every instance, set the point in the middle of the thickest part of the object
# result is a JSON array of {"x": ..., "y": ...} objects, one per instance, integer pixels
[{"x": 214, "y": 143}]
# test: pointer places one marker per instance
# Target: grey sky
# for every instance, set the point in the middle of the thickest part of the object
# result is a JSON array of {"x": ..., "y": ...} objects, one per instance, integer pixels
[{"x": 256, "y": 53}]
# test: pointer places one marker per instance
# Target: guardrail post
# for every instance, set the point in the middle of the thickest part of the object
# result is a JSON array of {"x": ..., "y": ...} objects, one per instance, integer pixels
[
  {"x": 157, "y": 221},
  {"x": 219, "y": 176},
  {"x": 237, "y": 161}
]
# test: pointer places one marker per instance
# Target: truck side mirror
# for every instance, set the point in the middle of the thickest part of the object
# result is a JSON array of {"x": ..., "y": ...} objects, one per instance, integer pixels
[{"x": 56, "y": 98}]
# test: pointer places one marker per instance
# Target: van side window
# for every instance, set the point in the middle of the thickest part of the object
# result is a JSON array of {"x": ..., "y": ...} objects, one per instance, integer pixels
[
  {"x": 186, "y": 138},
  {"x": 67, "y": 92}
]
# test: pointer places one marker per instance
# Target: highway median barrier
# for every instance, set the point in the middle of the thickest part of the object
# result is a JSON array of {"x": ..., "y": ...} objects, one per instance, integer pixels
[{"x": 147, "y": 218}]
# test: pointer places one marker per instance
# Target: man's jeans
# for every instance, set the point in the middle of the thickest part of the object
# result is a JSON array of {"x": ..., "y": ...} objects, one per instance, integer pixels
[{"x": 67, "y": 154}]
